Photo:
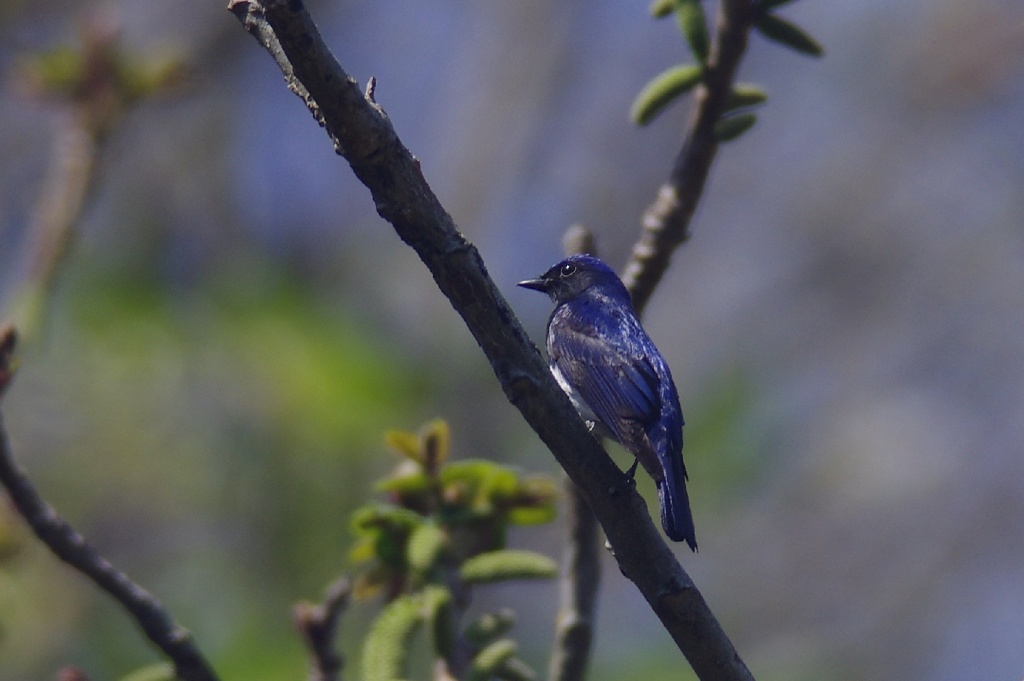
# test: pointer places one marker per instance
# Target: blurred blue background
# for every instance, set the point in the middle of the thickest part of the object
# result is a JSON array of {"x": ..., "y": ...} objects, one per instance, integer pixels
[{"x": 235, "y": 328}]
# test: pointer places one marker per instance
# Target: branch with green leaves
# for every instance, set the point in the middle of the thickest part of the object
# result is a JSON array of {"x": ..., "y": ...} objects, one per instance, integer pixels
[
  {"x": 676, "y": 81},
  {"x": 92, "y": 85},
  {"x": 723, "y": 111},
  {"x": 441, "y": 534}
]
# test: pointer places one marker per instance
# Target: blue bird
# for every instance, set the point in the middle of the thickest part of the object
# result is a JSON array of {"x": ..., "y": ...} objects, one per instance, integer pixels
[{"x": 617, "y": 380}]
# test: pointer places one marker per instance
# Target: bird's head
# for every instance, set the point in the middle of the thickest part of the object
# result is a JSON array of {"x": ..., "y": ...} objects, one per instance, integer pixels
[{"x": 575, "y": 276}]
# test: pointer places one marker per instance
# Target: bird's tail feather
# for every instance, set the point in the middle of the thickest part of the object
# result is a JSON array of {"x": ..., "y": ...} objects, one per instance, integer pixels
[{"x": 676, "y": 518}]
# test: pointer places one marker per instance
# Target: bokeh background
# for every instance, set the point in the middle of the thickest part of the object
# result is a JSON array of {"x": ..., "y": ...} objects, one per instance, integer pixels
[{"x": 235, "y": 329}]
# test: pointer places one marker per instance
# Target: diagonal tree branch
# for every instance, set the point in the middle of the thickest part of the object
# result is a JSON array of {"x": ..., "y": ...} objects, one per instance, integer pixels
[
  {"x": 62, "y": 539},
  {"x": 666, "y": 222},
  {"x": 362, "y": 133}
]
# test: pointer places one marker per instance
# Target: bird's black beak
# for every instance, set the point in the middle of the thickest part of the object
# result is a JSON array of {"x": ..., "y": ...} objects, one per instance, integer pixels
[{"x": 535, "y": 284}]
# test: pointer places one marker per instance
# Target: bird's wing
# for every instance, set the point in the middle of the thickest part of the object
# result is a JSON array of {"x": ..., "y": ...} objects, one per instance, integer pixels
[{"x": 618, "y": 385}]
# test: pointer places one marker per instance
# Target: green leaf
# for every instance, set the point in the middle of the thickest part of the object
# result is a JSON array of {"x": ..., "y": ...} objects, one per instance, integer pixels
[
  {"x": 437, "y": 610},
  {"x": 388, "y": 528},
  {"x": 405, "y": 443},
  {"x": 662, "y": 90},
  {"x": 744, "y": 95},
  {"x": 505, "y": 564},
  {"x": 389, "y": 549},
  {"x": 362, "y": 551},
  {"x": 424, "y": 547},
  {"x": 145, "y": 77},
  {"x": 694, "y": 26},
  {"x": 785, "y": 33},
  {"x": 429, "y": 448},
  {"x": 490, "y": 626},
  {"x": 498, "y": 486},
  {"x": 59, "y": 71},
  {"x": 477, "y": 485},
  {"x": 386, "y": 649},
  {"x": 732, "y": 127},
  {"x": 161, "y": 671},
  {"x": 369, "y": 519},
  {"x": 532, "y": 515},
  {"x": 488, "y": 660},
  {"x": 472, "y": 471},
  {"x": 404, "y": 482},
  {"x": 660, "y": 9},
  {"x": 534, "y": 501}
]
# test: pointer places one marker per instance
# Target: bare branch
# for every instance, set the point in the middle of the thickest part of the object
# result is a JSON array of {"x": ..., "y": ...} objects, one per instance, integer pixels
[
  {"x": 100, "y": 83},
  {"x": 319, "y": 626},
  {"x": 363, "y": 134},
  {"x": 581, "y": 561},
  {"x": 666, "y": 222},
  {"x": 581, "y": 576},
  {"x": 64, "y": 197},
  {"x": 66, "y": 192},
  {"x": 72, "y": 548}
]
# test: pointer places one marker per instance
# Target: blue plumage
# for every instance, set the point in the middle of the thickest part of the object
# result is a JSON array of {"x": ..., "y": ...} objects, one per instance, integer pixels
[{"x": 616, "y": 377}]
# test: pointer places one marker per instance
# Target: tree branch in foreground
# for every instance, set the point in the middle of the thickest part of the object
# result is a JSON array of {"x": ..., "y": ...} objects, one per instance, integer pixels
[
  {"x": 362, "y": 133},
  {"x": 71, "y": 547},
  {"x": 666, "y": 222}
]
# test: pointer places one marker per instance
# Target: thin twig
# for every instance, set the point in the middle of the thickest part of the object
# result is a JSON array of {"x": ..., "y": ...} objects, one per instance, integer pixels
[
  {"x": 666, "y": 222},
  {"x": 64, "y": 196},
  {"x": 319, "y": 627},
  {"x": 363, "y": 134},
  {"x": 68, "y": 186},
  {"x": 581, "y": 576},
  {"x": 72, "y": 548},
  {"x": 91, "y": 104},
  {"x": 581, "y": 560}
]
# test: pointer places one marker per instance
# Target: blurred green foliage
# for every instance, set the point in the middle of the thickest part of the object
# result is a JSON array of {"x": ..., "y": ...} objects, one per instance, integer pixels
[
  {"x": 443, "y": 532},
  {"x": 97, "y": 76},
  {"x": 212, "y": 442}
]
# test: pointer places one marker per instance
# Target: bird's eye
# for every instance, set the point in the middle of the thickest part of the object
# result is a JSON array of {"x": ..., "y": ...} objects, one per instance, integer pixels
[{"x": 568, "y": 269}]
